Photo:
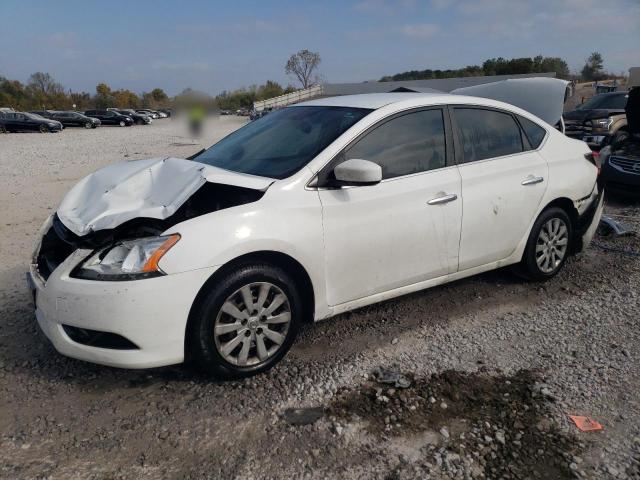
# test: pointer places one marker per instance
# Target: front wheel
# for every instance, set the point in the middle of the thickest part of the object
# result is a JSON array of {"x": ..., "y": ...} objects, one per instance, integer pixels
[
  {"x": 88, "y": 125},
  {"x": 246, "y": 323},
  {"x": 43, "y": 128},
  {"x": 122, "y": 123},
  {"x": 3, "y": 129},
  {"x": 548, "y": 245}
]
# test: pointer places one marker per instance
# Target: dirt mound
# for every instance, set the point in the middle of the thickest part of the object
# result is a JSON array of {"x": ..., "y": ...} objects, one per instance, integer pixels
[{"x": 498, "y": 425}]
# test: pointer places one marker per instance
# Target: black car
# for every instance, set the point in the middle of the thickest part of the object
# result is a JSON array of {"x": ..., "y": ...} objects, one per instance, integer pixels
[
  {"x": 138, "y": 118},
  {"x": 27, "y": 122},
  {"x": 70, "y": 118},
  {"x": 621, "y": 159},
  {"x": 598, "y": 120},
  {"x": 109, "y": 117}
]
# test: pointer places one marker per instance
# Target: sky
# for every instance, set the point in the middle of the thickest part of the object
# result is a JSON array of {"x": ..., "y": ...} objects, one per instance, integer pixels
[{"x": 223, "y": 45}]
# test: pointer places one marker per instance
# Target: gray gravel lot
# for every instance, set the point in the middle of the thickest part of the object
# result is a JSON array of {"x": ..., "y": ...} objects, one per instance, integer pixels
[{"x": 495, "y": 364}]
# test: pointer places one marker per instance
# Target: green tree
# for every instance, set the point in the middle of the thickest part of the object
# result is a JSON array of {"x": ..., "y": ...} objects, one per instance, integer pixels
[
  {"x": 592, "y": 69},
  {"x": 104, "y": 97}
]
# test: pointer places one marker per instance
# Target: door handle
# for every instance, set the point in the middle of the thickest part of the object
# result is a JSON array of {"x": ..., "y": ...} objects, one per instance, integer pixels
[
  {"x": 531, "y": 180},
  {"x": 443, "y": 199}
]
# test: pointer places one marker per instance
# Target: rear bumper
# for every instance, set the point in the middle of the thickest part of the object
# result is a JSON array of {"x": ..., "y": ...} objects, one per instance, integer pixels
[{"x": 589, "y": 219}]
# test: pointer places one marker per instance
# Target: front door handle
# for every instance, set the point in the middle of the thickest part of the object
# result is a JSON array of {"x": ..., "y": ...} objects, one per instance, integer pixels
[
  {"x": 444, "y": 198},
  {"x": 531, "y": 180}
]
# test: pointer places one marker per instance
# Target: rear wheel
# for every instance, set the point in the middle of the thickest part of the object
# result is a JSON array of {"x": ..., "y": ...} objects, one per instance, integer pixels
[
  {"x": 246, "y": 323},
  {"x": 3, "y": 129},
  {"x": 548, "y": 245}
]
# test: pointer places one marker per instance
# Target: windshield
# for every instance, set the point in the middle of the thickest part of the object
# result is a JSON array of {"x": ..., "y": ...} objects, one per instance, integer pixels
[
  {"x": 605, "y": 102},
  {"x": 281, "y": 143}
]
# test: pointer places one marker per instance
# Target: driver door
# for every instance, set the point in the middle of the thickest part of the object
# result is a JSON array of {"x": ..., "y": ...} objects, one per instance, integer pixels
[{"x": 403, "y": 230}]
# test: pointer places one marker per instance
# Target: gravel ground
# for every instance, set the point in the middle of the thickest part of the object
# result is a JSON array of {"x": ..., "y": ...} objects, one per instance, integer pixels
[{"x": 491, "y": 365}]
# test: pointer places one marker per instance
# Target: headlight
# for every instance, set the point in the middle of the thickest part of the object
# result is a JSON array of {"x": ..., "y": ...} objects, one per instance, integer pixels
[
  {"x": 127, "y": 260},
  {"x": 602, "y": 122}
]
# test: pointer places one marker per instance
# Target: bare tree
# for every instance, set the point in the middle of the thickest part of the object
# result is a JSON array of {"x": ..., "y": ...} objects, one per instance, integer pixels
[
  {"x": 44, "y": 84},
  {"x": 302, "y": 65}
]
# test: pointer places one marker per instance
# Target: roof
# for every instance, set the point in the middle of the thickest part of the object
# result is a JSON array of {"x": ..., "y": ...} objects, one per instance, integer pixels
[{"x": 369, "y": 100}]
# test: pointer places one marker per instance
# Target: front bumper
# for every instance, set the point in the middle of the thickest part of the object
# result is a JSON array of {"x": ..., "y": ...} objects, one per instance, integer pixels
[
  {"x": 622, "y": 174},
  {"x": 151, "y": 313}
]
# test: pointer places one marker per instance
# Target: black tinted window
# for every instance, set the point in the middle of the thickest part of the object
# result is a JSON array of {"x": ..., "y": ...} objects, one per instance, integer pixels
[
  {"x": 408, "y": 144},
  {"x": 487, "y": 134},
  {"x": 534, "y": 132}
]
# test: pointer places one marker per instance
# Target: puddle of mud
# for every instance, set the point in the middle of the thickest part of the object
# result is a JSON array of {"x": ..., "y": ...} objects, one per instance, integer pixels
[{"x": 501, "y": 425}]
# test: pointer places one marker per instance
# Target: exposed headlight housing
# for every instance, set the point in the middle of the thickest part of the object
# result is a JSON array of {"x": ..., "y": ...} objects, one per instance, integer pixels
[
  {"x": 127, "y": 260},
  {"x": 604, "y": 123}
]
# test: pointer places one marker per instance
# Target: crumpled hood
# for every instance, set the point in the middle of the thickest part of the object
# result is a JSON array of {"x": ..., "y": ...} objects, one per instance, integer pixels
[{"x": 153, "y": 188}]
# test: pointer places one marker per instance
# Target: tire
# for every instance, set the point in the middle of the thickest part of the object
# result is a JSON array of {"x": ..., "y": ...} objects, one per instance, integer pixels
[
  {"x": 44, "y": 129},
  {"x": 3, "y": 129},
  {"x": 548, "y": 246},
  {"x": 123, "y": 123},
  {"x": 215, "y": 324},
  {"x": 88, "y": 125}
]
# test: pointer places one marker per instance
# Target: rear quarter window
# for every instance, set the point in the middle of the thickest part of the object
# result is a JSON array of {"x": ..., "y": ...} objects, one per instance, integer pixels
[{"x": 534, "y": 132}]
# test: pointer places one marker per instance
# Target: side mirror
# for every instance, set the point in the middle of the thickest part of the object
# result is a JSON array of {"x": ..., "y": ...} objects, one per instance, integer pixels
[{"x": 357, "y": 172}]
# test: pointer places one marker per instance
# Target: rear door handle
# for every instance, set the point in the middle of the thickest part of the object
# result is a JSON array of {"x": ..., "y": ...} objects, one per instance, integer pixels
[
  {"x": 443, "y": 199},
  {"x": 531, "y": 180}
]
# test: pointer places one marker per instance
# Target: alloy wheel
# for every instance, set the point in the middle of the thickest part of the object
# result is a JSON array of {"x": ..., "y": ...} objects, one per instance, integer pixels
[
  {"x": 551, "y": 245},
  {"x": 252, "y": 324}
]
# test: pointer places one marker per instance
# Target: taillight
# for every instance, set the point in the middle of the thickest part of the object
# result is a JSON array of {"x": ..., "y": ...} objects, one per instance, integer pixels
[{"x": 594, "y": 157}]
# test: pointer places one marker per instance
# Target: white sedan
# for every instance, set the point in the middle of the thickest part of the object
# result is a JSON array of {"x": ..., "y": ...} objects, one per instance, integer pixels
[{"x": 308, "y": 212}]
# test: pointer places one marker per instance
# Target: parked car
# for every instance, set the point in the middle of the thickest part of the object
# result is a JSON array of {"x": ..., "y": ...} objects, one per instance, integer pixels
[
  {"x": 27, "y": 122},
  {"x": 166, "y": 111},
  {"x": 70, "y": 118},
  {"x": 621, "y": 159},
  {"x": 109, "y": 117},
  {"x": 598, "y": 120},
  {"x": 138, "y": 118},
  {"x": 151, "y": 113},
  {"x": 314, "y": 210}
]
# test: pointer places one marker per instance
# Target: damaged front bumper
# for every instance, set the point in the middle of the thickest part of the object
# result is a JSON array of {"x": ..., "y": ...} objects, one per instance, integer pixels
[{"x": 127, "y": 324}]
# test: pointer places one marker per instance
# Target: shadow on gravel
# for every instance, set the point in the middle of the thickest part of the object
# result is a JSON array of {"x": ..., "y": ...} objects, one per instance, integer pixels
[{"x": 499, "y": 426}]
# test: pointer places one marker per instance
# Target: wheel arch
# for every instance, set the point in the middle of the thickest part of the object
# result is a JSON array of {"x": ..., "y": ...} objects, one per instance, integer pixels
[
  {"x": 568, "y": 206},
  {"x": 278, "y": 259}
]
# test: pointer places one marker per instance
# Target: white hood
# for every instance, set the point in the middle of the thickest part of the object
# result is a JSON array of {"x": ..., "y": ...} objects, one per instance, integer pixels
[
  {"x": 153, "y": 188},
  {"x": 542, "y": 96}
]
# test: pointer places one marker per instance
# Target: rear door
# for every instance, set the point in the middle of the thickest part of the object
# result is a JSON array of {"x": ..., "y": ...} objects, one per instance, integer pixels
[
  {"x": 403, "y": 230},
  {"x": 503, "y": 182}
]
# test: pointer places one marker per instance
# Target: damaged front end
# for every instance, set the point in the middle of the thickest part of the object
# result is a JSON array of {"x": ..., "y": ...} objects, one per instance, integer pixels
[{"x": 136, "y": 200}]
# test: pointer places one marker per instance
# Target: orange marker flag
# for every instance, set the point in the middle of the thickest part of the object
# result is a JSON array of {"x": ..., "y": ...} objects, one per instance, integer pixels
[{"x": 585, "y": 424}]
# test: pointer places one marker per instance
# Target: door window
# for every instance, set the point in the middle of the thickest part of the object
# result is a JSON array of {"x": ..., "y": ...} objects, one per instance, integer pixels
[
  {"x": 487, "y": 134},
  {"x": 412, "y": 143}
]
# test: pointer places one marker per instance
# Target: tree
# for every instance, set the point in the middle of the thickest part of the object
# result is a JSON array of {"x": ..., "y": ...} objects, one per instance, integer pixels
[
  {"x": 592, "y": 69},
  {"x": 44, "y": 84},
  {"x": 302, "y": 65},
  {"x": 159, "y": 96},
  {"x": 104, "y": 97}
]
